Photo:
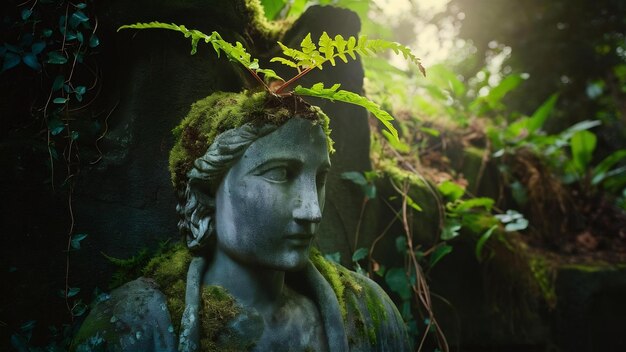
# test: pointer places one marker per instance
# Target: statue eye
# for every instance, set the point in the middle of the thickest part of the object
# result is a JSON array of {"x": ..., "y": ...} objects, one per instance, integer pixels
[{"x": 276, "y": 174}]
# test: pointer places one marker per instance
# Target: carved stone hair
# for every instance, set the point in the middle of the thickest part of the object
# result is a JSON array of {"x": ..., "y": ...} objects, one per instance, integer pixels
[{"x": 196, "y": 205}]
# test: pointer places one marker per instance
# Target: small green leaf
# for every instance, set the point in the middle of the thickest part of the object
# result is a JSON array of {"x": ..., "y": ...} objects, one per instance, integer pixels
[
  {"x": 72, "y": 291},
  {"x": 370, "y": 191},
  {"x": 542, "y": 113},
  {"x": 272, "y": 8},
  {"x": 482, "y": 240},
  {"x": 333, "y": 257},
  {"x": 28, "y": 326},
  {"x": 355, "y": 177},
  {"x": 31, "y": 61},
  {"x": 583, "y": 144},
  {"x": 601, "y": 170},
  {"x": 10, "y": 60},
  {"x": 94, "y": 41},
  {"x": 80, "y": 17},
  {"x": 81, "y": 6},
  {"x": 76, "y": 239},
  {"x": 80, "y": 90},
  {"x": 359, "y": 254},
  {"x": 25, "y": 14},
  {"x": 410, "y": 202},
  {"x": 396, "y": 144},
  {"x": 74, "y": 135},
  {"x": 47, "y": 33},
  {"x": 296, "y": 9},
  {"x": 431, "y": 131},
  {"x": 38, "y": 47},
  {"x": 79, "y": 309},
  {"x": 450, "y": 190},
  {"x": 307, "y": 44},
  {"x": 440, "y": 252},
  {"x": 56, "y": 58},
  {"x": 451, "y": 229},
  {"x": 55, "y": 126},
  {"x": 60, "y": 100},
  {"x": 480, "y": 202},
  {"x": 398, "y": 282},
  {"x": 401, "y": 245}
]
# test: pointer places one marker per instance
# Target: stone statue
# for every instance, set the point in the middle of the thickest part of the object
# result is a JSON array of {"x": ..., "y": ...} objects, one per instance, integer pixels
[{"x": 250, "y": 170}]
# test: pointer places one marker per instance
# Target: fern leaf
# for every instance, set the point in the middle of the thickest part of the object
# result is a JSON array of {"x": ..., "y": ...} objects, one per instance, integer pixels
[
  {"x": 284, "y": 61},
  {"x": 295, "y": 54},
  {"x": 269, "y": 74},
  {"x": 340, "y": 44},
  {"x": 327, "y": 47},
  {"x": 351, "y": 45},
  {"x": 307, "y": 45},
  {"x": 235, "y": 52},
  {"x": 333, "y": 93}
]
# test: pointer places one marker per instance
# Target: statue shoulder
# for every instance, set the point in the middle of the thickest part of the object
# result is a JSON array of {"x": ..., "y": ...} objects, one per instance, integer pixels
[
  {"x": 132, "y": 317},
  {"x": 372, "y": 321}
]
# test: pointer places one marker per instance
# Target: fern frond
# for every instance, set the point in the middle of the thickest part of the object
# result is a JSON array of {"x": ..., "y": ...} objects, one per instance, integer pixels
[
  {"x": 286, "y": 62},
  {"x": 334, "y": 93},
  {"x": 329, "y": 49},
  {"x": 236, "y": 53}
]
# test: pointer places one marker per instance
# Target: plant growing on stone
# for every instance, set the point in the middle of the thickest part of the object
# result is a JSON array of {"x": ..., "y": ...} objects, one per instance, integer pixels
[{"x": 304, "y": 60}]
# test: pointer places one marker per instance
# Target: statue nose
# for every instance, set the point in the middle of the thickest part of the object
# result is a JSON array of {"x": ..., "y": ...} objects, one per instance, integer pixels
[{"x": 307, "y": 207}]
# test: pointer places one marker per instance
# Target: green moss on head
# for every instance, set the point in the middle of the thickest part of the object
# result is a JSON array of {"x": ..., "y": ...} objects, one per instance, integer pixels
[{"x": 223, "y": 111}]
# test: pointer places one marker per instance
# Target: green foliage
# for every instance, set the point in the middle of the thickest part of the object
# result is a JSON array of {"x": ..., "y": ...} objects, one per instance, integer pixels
[
  {"x": 309, "y": 56},
  {"x": 330, "y": 49},
  {"x": 236, "y": 53},
  {"x": 364, "y": 180},
  {"x": 333, "y": 93}
]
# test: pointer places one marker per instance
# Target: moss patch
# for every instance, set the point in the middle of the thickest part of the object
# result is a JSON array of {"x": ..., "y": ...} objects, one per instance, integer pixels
[
  {"x": 338, "y": 277},
  {"x": 544, "y": 275},
  {"x": 218, "y": 308},
  {"x": 169, "y": 270},
  {"x": 268, "y": 30},
  {"x": 223, "y": 111}
]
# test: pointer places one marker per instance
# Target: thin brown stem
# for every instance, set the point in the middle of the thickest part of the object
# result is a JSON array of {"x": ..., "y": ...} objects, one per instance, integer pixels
[
  {"x": 258, "y": 79},
  {"x": 293, "y": 79}
]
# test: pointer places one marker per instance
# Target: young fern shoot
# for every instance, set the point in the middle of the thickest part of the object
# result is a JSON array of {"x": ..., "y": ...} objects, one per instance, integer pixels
[{"x": 309, "y": 57}]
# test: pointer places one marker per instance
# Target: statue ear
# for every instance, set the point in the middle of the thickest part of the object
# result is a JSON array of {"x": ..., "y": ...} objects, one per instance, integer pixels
[{"x": 200, "y": 212}]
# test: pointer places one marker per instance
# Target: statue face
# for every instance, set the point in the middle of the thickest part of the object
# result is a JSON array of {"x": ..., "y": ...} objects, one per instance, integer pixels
[{"x": 269, "y": 204}]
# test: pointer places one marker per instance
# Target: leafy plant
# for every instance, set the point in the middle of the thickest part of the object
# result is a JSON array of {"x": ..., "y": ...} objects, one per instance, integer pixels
[{"x": 304, "y": 60}]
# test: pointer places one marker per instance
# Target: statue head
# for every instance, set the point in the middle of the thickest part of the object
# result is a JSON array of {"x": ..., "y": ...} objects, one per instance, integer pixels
[{"x": 258, "y": 158}]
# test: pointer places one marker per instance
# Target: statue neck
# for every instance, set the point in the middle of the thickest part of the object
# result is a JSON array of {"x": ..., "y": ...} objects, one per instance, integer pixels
[{"x": 251, "y": 286}]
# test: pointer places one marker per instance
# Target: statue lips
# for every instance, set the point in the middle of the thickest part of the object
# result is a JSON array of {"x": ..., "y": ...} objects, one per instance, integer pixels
[{"x": 300, "y": 239}]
